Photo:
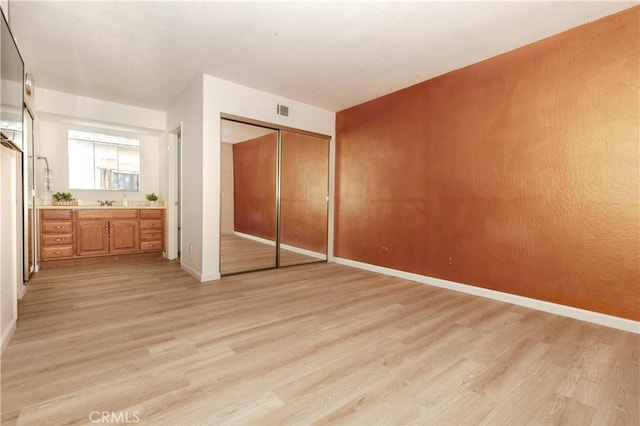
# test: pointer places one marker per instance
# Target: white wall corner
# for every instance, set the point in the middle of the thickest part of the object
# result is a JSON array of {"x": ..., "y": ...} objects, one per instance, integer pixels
[
  {"x": 209, "y": 278},
  {"x": 7, "y": 335},
  {"x": 540, "y": 305},
  {"x": 187, "y": 113},
  {"x": 195, "y": 274},
  {"x": 199, "y": 276},
  {"x": 22, "y": 289}
]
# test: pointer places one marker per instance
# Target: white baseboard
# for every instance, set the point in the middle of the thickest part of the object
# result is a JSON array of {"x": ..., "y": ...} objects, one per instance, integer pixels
[
  {"x": 7, "y": 334},
  {"x": 195, "y": 274},
  {"x": 254, "y": 238},
  {"x": 306, "y": 252},
  {"x": 540, "y": 305},
  {"x": 314, "y": 254},
  {"x": 209, "y": 277}
]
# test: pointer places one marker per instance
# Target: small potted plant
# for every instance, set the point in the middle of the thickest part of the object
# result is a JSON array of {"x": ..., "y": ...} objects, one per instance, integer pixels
[
  {"x": 64, "y": 199},
  {"x": 152, "y": 198}
]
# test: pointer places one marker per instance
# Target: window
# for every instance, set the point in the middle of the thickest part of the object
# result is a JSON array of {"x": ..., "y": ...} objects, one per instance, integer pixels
[{"x": 99, "y": 161}]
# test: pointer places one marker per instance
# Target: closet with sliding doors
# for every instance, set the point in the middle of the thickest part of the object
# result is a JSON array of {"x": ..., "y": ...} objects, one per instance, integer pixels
[{"x": 274, "y": 197}]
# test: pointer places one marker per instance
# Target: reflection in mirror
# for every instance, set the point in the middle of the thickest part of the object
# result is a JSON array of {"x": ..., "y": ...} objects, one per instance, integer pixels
[
  {"x": 101, "y": 161},
  {"x": 248, "y": 197},
  {"x": 304, "y": 187},
  {"x": 11, "y": 88}
]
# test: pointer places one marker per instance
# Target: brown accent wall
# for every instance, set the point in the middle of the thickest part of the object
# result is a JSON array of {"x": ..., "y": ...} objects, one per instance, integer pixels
[
  {"x": 254, "y": 192},
  {"x": 519, "y": 173},
  {"x": 303, "y": 191}
]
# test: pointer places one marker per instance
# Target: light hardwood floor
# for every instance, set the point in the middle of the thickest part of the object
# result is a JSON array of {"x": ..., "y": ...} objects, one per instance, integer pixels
[
  {"x": 238, "y": 254},
  {"x": 321, "y": 343}
]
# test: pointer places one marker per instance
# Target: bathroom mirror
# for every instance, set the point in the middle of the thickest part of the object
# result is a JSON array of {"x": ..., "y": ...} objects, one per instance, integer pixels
[
  {"x": 248, "y": 197},
  {"x": 103, "y": 161}
]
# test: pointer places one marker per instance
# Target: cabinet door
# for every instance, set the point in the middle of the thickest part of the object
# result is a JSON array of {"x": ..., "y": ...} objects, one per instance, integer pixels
[
  {"x": 92, "y": 237},
  {"x": 125, "y": 236}
]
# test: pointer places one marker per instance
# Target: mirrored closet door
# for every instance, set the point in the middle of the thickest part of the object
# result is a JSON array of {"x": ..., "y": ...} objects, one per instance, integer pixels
[
  {"x": 249, "y": 156},
  {"x": 274, "y": 200},
  {"x": 304, "y": 178}
]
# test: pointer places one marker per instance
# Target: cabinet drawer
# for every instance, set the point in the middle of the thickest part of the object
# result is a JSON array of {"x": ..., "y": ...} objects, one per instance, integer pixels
[
  {"x": 151, "y": 213},
  {"x": 106, "y": 214},
  {"x": 150, "y": 245},
  {"x": 54, "y": 214},
  {"x": 151, "y": 224},
  {"x": 57, "y": 227},
  {"x": 57, "y": 240},
  {"x": 57, "y": 252},
  {"x": 151, "y": 235}
]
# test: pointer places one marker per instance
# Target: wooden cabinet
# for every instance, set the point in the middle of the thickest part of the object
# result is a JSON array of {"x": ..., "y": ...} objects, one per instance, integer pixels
[
  {"x": 69, "y": 233},
  {"x": 107, "y": 231},
  {"x": 124, "y": 236},
  {"x": 93, "y": 237},
  {"x": 56, "y": 234},
  {"x": 151, "y": 230}
]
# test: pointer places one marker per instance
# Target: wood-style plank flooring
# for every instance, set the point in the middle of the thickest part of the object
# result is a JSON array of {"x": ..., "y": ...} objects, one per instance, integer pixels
[
  {"x": 238, "y": 254},
  {"x": 313, "y": 344}
]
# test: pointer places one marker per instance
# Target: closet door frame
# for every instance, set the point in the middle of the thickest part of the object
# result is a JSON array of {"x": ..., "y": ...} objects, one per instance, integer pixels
[{"x": 279, "y": 128}]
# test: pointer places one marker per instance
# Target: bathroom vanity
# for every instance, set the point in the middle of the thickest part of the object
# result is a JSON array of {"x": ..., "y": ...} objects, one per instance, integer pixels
[{"x": 89, "y": 231}]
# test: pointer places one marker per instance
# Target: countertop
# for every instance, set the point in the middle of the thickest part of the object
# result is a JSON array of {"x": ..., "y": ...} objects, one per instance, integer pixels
[{"x": 98, "y": 207}]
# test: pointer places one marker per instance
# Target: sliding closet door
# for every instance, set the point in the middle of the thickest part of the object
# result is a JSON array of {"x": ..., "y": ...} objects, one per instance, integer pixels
[
  {"x": 248, "y": 197},
  {"x": 304, "y": 188}
]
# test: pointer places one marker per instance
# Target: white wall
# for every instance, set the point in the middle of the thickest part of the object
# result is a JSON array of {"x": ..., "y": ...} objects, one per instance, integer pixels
[
  {"x": 10, "y": 274},
  {"x": 200, "y": 109},
  {"x": 11, "y": 268},
  {"x": 83, "y": 108},
  {"x": 54, "y": 145},
  {"x": 222, "y": 96},
  {"x": 57, "y": 112},
  {"x": 188, "y": 111},
  {"x": 4, "y": 5}
]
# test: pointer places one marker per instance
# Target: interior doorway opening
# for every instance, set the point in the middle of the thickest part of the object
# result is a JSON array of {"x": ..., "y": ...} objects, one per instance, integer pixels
[{"x": 174, "y": 196}]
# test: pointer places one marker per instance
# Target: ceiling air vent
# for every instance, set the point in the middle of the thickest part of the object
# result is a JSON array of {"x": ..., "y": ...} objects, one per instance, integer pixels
[{"x": 282, "y": 110}]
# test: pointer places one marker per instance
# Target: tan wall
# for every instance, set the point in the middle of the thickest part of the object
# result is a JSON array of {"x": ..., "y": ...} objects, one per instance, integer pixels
[
  {"x": 303, "y": 191},
  {"x": 519, "y": 173},
  {"x": 254, "y": 175},
  {"x": 226, "y": 182}
]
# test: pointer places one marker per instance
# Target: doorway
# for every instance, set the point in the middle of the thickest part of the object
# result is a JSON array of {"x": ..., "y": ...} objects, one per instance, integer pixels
[
  {"x": 274, "y": 197},
  {"x": 174, "y": 197}
]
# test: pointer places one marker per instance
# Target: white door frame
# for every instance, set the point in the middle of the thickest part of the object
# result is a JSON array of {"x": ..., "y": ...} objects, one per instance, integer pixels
[{"x": 174, "y": 201}]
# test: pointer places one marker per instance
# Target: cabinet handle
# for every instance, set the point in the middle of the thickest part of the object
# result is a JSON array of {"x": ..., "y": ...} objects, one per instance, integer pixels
[
  {"x": 58, "y": 252},
  {"x": 58, "y": 239},
  {"x": 58, "y": 227}
]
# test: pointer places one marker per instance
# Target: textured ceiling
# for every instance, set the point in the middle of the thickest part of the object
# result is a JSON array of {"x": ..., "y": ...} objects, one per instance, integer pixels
[{"x": 330, "y": 54}]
